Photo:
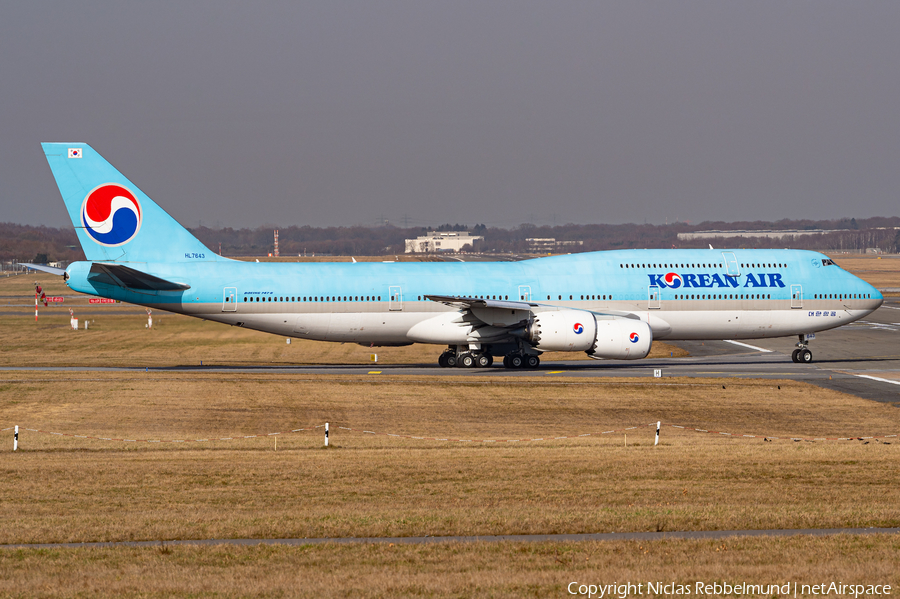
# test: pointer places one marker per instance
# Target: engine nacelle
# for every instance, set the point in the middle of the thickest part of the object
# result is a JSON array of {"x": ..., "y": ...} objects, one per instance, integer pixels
[
  {"x": 562, "y": 330},
  {"x": 621, "y": 339}
]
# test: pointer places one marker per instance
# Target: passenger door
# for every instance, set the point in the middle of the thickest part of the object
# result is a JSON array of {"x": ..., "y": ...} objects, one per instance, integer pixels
[
  {"x": 396, "y": 298},
  {"x": 653, "y": 297},
  {"x": 731, "y": 265},
  {"x": 796, "y": 296},
  {"x": 229, "y": 299}
]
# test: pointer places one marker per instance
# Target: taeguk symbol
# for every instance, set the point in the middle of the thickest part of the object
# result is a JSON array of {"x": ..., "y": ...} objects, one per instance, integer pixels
[
  {"x": 111, "y": 215},
  {"x": 578, "y": 328},
  {"x": 634, "y": 337},
  {"x": 673, "y": 280}
]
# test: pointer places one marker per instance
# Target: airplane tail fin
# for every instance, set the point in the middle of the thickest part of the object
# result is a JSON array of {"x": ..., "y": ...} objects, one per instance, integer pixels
[{"x": 115, "y": 221}]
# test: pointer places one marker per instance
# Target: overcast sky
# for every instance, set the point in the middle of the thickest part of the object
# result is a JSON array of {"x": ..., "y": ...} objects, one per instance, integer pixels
[{"x": 327, "y": 113}]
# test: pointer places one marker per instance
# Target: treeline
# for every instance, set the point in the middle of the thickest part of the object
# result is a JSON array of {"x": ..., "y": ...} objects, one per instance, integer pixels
[{"x": 26, "y": 243}]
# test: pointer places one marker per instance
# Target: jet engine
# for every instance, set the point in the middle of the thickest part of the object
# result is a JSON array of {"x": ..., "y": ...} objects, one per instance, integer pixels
[
  {"x": 562, "y": 330},
  {"x": 621, "y": 339}
]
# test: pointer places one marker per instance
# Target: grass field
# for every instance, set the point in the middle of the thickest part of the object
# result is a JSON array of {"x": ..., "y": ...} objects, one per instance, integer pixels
[
  {"x": 65, "y": 488},
  {"x": 443, "y": 570},
  {"x": 881, "y": 271}
]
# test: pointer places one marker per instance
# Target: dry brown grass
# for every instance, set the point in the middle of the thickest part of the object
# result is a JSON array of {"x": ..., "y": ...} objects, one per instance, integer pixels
[
  {"x": 71, "y": 489},
  {"x": 880, "y": 271},
  {"x": 445, "y": 570}
]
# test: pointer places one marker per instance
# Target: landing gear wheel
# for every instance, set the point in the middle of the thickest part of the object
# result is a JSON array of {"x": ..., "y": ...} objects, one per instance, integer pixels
[
  {"x": 467, "y": 361},
  {"x": 484, "y": 360},
  {"x": 532, "y": 361},
  {"x": 794, "y": 356},
  {"x": 450, "y": 360},
  {"x": 506, "y": 362},
  {"x": 515, "y": 360},
  {"x": 805, "y": 356},
  {"x": 442, "y": 360}
]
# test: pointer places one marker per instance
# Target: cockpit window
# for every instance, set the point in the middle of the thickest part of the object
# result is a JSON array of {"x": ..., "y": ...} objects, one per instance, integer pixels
[{"x": 826, "y": 262}]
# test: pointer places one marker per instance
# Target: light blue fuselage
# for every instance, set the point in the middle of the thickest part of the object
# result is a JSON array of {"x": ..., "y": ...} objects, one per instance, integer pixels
[{"x": 791, "y": 290}]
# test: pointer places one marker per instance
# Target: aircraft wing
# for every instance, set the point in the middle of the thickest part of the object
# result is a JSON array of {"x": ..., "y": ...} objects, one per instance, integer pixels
[
  {"x": 475, "y": 302},
  {"x": 129, "y": 278}
]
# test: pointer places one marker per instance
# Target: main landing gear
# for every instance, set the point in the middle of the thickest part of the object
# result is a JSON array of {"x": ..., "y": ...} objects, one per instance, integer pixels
[
  {"x": 481, "y": 359},
  {"x": 802, "y": 355},
  {"x": 518, "y": 360},
  {"x": 450, "y": 359}
]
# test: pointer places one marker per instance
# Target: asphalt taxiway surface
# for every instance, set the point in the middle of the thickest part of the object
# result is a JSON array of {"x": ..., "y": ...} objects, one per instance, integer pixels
[{"x": 862, "y": 358}]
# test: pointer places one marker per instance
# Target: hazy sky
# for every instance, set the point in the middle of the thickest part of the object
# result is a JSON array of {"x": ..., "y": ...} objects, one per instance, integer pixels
[{"x": 322, "y": 113}]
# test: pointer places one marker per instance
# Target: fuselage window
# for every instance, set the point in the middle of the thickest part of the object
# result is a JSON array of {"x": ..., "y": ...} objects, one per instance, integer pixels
[
  {"x": 505, "y": 297},
  {"x": 610, "y": 297},
  {"x": 560, "y": 297},
  {"x": 570, "y": 297}
]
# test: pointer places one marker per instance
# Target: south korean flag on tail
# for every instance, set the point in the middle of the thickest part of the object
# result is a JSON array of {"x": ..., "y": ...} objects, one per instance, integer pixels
[{"x": 74, "y": 152}]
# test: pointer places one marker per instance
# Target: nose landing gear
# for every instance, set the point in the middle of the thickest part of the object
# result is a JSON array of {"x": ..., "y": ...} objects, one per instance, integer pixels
[{"x": 802, "y": 355}]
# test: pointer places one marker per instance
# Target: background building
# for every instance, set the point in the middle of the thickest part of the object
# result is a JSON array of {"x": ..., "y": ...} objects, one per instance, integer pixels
[{"x": 434, "y": 241}]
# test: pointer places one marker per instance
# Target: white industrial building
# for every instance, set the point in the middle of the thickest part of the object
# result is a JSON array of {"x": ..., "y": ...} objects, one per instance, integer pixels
[{"x": 435, "y": 241}]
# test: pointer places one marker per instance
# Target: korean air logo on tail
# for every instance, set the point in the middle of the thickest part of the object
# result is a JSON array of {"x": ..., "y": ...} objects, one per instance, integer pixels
[
  {"x": 634, "y": 337},
  {"x": 673, "y": 280},
  {"x": 578, "y": 328},
  {"x": 111, "y": 215}
]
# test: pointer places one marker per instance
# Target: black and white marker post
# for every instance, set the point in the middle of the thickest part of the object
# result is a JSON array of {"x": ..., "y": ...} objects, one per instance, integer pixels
[
  {"x": 16, "y": 439},
  {"x": 326, "y": 434},
  {"x": 657, "y": 433}
]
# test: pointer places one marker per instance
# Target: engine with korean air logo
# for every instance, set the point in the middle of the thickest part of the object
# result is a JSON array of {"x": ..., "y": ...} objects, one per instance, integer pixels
[
  {"x": 562, "y": 330},
  {"x": 620, "y": 338}
]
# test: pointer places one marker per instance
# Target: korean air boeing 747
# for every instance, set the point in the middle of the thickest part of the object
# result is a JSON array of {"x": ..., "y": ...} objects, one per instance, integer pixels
[{"x": 610, "y": 305}]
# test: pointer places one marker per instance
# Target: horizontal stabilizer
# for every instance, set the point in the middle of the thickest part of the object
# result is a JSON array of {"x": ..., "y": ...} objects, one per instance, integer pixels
[
  {"x": 475, "y": 302},
  {"x": 44, "y": 268},
  {"x": 129, "y": 278}
]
